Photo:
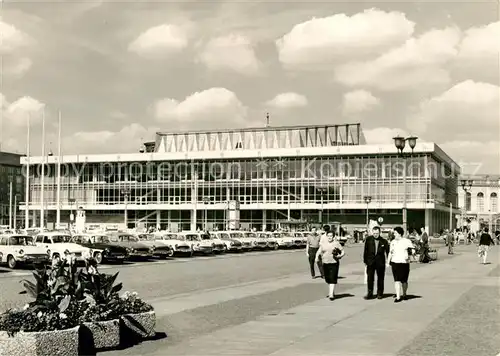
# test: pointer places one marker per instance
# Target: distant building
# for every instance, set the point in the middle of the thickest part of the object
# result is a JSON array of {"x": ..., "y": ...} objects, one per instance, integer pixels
[
  {"x": 11, "y": 171},
  {"x": 480, "y": 202},
  {"x": 314, "y": 174}
]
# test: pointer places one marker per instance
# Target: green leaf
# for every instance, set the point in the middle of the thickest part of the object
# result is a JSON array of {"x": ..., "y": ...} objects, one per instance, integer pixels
[{"x": 64, "y": 304}]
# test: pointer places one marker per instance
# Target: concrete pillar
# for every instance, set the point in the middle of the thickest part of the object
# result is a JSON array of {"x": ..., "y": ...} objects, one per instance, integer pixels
[
  {"x": 169, "y": 219},
  {"x": 264, "y": 220},
  {"x": 158, "y": 219},
  {"x": 428, "y": 217}
]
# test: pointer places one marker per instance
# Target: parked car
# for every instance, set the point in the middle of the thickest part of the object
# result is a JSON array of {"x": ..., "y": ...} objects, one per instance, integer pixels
[
  {"x": 301, "y": 241},
  {"x": 286, "y": 240},
  {"x": 257, "y": 243},
  {"x": 135, "y": 248},
  {"x": 246, "y": 244},
  {"x": 110, "y": 251},
  {"x": 20, "y": 249},
  {"x": 271, "y": 242},
  {"x": 58, "y": 245},
  {"x": 198, "y": 245},
  {"x": 179, "y": 247},
  {"x": 160, "y": 250},
  {"x": 217, "y": 245},
  {"x": 231, "y": 244}
]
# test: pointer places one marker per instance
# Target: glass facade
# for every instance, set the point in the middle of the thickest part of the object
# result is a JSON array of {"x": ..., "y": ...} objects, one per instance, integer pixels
[
  {"x": 268, "y": 189},
  {"x": 10, "y": 172}
]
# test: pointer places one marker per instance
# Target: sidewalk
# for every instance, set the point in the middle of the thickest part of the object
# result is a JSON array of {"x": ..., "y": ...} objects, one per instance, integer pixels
[{"x": 456, "y": 303}]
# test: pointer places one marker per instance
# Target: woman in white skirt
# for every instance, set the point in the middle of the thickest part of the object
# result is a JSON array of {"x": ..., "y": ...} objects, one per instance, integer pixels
[
  {"x": 400, "y": 250},
  {"x": 330, "y": 251}
]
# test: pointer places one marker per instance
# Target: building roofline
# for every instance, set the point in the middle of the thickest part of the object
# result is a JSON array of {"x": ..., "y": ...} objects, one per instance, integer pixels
[{"x": 253, "y": 129}]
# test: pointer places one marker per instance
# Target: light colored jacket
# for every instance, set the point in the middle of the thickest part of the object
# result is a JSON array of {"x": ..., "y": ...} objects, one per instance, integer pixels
[{"x": 326, "y": 251}]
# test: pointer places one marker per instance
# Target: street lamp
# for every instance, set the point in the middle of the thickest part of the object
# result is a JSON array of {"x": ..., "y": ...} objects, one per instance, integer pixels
[
  {"x": 15, "y": 210},
  {"x": 400, "y": 143},
  {"x": 466, "y": 187},
  {"x": 126, "y": 193},
  {"x": 322, "y": 191},
  {"x": 206, "y": 200},
  {"x": 368, "y": 200}
]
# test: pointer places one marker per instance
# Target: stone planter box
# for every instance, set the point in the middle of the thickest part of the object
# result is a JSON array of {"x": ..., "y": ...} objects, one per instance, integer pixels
[
  {"x": 141, "y": 325},
  {"x": 44, "y": 343},
  {"x": 102, "y": 335}
]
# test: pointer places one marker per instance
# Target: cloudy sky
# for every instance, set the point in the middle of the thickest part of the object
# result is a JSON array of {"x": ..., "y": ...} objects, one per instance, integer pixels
[{"x": 120, "y": 71}]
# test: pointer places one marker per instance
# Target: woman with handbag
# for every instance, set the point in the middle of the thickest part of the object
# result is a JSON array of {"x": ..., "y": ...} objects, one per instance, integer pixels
[
  {"x": 400, "y": 250},
  {"x": 330, "y": 251}
]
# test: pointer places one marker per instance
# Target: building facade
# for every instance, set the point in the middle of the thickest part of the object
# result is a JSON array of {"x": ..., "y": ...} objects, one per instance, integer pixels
[
  {"x": 480, "y": 201},
  {"x": 11, "y": 177},
  {"x": 307, "y": 173}
]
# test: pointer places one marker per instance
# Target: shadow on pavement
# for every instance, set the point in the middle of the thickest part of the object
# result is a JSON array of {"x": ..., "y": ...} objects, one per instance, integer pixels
[
  {"x": 411, "y": 296},
  {"x": 343, "y": 295},
  {"x": 388, "y": 295}
]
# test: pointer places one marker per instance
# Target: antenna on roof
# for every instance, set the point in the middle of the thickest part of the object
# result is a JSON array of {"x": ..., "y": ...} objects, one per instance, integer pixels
[{"x": 267, "y": 119}]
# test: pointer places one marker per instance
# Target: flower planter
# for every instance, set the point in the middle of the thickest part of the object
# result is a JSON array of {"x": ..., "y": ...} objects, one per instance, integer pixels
[
  {"x": 101, "y": 334},
  {"x": 140, "y": 325},
  {"x": 44, "y": 343}
]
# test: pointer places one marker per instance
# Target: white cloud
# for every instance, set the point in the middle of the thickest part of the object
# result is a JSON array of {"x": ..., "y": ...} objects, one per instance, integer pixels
[
  {"x": 383, "y": 135},
  {"x": 159, "y": 40},
  {"x": 16, "y": 66},
  {"x": 480, "y": 49},
  {"x": 232, "y": 52},
  {"x": 418, "y": 62},
  {"x": 359, "y": 101},
  {"x": 468, "y": 111},
  {"x": 288, "y": 101},
  {"x": 11, "y": 38},
  {"x": 319, "y": 41},
  {"x": 128, "y": 139},
  {"x": 211, "y": 108},
  {"x": 17, "y": 112}
]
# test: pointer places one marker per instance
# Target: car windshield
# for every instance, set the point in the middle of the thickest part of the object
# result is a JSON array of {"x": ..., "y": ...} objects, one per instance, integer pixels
[
  {"x": 21, "y": 240},
  {"x": 262, "y": 235},
  {"x": 129, "y": 238},
  {"x": 147, "y": 237},
  {"x": 170, "y": 237},
  {"x": 101, "y": 240},
  {"x": 59, "y": 239},
  {"x": 192, "y": 237},
  {"x": 276, "y": 235},
  {"x": 251, "y": 234},
  {"x": 287, "y": 234},
  {"x": 206, "y": 237},
  {"x": 236, "y": 235}
]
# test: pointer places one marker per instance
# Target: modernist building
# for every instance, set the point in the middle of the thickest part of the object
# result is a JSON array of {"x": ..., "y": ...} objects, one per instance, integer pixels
[
  {"x": 479, "y": 199},
  {"x": 306, "y": 173},
  {"x": 11, "y": 177}
]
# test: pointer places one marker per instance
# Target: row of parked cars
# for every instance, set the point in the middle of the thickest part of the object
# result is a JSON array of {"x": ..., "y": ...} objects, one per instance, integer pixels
[{"x": 116, "y": 246}]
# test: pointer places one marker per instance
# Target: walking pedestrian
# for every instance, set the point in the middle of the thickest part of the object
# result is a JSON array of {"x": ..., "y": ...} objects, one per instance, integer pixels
[
  {"x": 485, "y": 241},
  {"x": 400, "y": 250},
  {"x": 374, "y": 258},
  {"x": 449, "y": 241},
  {"x": 311, "y": 251},
  {"x": 424, "y": 250},
  {"x": 330, "y": 251}
]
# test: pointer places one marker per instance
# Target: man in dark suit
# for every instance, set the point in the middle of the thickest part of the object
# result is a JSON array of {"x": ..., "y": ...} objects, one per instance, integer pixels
[{"x": 374, "y": 257}]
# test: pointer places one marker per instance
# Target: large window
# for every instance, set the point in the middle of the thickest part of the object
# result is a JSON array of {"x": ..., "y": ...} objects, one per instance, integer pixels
[
  {"x": 468, "y": 201},
  {"x": 493, "y": 202},
  {"x": 480, "y": 202}
]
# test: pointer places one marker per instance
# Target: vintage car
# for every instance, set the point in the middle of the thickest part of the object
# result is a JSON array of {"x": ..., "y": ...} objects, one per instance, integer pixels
[
  {"x": 246, "y": 244},
  {"x": 301, "y": 241},
  {"x": 135, "y": 248},
  {"x": 160, "y": 250},
  {"x": 59, "y": 246},
  {"x": 110, "y": 252},
  {"x": 272, "y": 242},
  {"x": 178, "y": 246},
  {"x": 20, "y": 249},
  {"x": 256, "y": 242},
  {"x": 286, "y": 239},
  {"x": 198, "y": 245},
  {"x": 218, "y": 245},
  {"x": 231, "y": 244}
]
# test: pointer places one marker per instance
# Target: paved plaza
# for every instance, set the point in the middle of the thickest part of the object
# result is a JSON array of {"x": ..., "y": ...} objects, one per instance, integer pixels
[{"x": 266, "y": 304}]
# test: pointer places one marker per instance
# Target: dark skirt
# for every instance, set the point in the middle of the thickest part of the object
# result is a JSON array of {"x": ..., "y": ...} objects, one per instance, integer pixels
[
  {"x": 400, "y": 272},
  {"x": 331, "y": 271}
]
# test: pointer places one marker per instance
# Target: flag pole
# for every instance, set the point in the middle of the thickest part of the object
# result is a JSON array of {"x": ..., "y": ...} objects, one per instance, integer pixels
[
  {"x": 58, "y": 216},
  {"x": 27, "y": 178},
  {"x": 42, "y": 178}
]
